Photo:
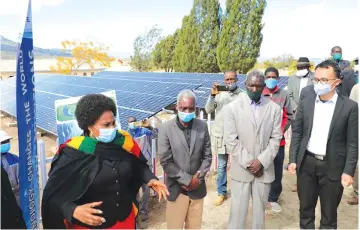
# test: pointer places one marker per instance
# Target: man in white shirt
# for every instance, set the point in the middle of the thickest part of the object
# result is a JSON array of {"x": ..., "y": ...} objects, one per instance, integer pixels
[{"x": 324, "y": 146}]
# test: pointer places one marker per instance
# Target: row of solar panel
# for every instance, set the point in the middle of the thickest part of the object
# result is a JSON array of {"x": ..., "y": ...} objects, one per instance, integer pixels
[{"x": 138, "y": 94}]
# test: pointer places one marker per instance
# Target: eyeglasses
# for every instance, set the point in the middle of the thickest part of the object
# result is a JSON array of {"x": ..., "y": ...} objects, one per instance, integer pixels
[{"x": 322, "y": 80}]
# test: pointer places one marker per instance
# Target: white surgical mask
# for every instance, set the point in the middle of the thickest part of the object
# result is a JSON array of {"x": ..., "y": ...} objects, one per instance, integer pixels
[
  {"x": 302, "y": 73},
  {"x": 356, "y": 68}
]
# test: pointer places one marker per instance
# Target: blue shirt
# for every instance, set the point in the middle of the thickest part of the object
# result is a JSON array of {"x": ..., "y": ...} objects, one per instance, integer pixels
[{"x": 141, "y": 131}]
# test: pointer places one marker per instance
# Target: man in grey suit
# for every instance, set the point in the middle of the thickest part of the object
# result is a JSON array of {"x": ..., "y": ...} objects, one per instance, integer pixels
[
  {"x": 303, "y": 77},
  {"x": 185, "y": 155},
  {"x": 252, "y": 134}
]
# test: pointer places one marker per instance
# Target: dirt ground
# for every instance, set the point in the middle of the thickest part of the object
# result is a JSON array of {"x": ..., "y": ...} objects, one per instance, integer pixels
[{"x": 217, "y": 217}]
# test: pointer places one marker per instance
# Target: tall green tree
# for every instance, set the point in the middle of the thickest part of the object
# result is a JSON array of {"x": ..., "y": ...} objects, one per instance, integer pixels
[
  {"x": 144, "y": 44},
  {"x": 163, "y": 54},
  {"x": 241, "y": 37},
  {"x": 209, "y": 19},
  {"x": 187, "y": 48}
]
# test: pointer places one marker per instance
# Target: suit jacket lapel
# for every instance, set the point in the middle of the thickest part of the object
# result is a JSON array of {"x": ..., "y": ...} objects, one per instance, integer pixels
[
  {"x": 310, "y": 109},
  {"x": 297, "y": 86},
  {"x": 181, "y": 136},
  {"x": 337, "y": 111},
  {"x": 193, "y": 136},
  {"x": 247, "y": 108}
]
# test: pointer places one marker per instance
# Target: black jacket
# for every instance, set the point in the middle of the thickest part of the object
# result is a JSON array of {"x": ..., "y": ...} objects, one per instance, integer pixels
[
  {"x": 342, "y": 145},
  {"x": 11, "y": 214},
  {"x": 78, "y": 178}
]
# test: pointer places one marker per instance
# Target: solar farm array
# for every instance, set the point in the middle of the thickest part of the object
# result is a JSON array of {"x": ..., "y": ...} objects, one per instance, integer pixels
[{"x": 138, "y": 94}]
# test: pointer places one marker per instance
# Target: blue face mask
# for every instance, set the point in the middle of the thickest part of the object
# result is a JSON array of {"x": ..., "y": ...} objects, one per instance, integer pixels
[
  {"x": 186, "y": 117},
  {"x": 5, "y": 148},
  {"x": 106, "y": 135},
  {"x": 271, "y": 83},
  {"x": 132, "y": 125},
  {"x": 337, "y": 56},
  {"x": 322, "y": 89}
]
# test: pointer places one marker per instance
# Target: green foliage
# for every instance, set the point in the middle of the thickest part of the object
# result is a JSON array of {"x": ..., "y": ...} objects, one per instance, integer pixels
[
  {"x": 163, "y": 54},
  {"x": 187, "y": 48},
  {"x": 144, "y": 44},
  {"x": 208, "y": 15},
  {"x": 241, "y": 37}
]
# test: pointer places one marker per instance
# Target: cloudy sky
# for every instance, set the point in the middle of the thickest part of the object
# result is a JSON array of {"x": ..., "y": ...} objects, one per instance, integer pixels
[{"x": 299, "y": 27}]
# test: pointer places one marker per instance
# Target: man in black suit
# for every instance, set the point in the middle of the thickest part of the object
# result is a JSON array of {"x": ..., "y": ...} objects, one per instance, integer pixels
[{"x": 324, "y": 146}]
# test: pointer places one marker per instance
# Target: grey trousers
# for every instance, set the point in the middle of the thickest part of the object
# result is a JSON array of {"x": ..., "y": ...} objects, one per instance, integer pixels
[{"x": 241, "y": 192}]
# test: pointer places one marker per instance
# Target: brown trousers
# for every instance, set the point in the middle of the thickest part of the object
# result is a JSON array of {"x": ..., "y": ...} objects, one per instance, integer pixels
[{"x": 184, "y": 211}]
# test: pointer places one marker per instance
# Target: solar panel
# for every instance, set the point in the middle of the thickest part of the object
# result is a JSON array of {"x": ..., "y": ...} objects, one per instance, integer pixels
[{"x": 138, "y": 94}]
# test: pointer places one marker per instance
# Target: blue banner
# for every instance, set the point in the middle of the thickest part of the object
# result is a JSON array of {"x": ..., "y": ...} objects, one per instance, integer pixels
[{"x": 25, "y": 110}]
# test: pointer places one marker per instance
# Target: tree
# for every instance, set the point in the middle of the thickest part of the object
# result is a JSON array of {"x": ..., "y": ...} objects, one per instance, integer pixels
[
  {"x": 241, "y": 37},
  {"x": 163, "y": 54},
  {"x": 187, "y": 48},
  {"x": 283, "y": 61},
  {"x": 208, "y": 14},
  {"x": 82, "y": 53},
  {"x": 144, "y": 44}
]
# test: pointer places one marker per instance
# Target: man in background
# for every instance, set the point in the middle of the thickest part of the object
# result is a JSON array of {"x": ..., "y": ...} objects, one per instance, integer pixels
[
  {"x": 280, "y": 97},
  {"x": 354, "y": 199},
  {"x": 143, "y": 135},
  {"x": 348, "y": 78},
  {"x": 216, "y": 103},
  {"x": 303, "y": 77},
  {"x": 10, "y": 163}
]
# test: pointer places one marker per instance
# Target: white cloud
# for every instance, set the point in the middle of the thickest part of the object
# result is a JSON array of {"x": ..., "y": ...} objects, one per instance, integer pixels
[{"x": 18, "y": 7}]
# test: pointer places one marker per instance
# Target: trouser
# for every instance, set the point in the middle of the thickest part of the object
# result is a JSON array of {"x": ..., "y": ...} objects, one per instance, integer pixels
[
  {"x": 144, "y": 201},
  {"x": 221, "y": 180},
  {"x": 184, "y": 211},
  {"x": 313, "y": 182},
  {"x": 241, "y": 192},
  {"x": 276, "y": 186},
  {"x": 356, "y": 182}
]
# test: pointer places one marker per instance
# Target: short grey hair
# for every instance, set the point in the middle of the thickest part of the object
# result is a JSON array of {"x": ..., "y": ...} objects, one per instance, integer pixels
[
  {"x": 255, "y": 73},
  {"x": 186, "y": 93}
]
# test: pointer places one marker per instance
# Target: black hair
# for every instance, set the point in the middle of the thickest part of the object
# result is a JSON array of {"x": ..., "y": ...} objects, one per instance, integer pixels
[
  {"x": 330, "y": 63},
  {"x": 272, "y": 70},
  {"x": 335, "y": 47},
  {"x": 91, "y": 107}
]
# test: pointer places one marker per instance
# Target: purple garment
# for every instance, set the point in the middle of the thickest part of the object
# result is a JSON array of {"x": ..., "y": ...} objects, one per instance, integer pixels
[{"x": 255, "y": 108}]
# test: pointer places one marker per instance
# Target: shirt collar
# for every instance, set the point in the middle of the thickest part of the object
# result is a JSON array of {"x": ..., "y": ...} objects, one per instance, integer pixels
[
  {"x": 181, "y": 126},
  {"x": 256, "y": 103},
  {"x": 266, "y": 91},
  {"x": 332, "y": 100}
]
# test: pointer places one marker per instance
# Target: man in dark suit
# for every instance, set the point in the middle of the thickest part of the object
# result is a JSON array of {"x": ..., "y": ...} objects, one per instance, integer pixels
[
  {"x": 185, "y": 155},
  {"x": 348, "y": 77},
  {"x": 324, "y": 146}
]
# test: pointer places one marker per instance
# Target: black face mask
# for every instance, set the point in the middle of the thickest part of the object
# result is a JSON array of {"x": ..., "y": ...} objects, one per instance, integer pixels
[{"x": 254, "y": 96}]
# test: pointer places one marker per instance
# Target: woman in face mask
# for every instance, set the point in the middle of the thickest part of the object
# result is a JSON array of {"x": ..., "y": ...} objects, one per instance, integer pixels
[{"x": 94, "y": 178}]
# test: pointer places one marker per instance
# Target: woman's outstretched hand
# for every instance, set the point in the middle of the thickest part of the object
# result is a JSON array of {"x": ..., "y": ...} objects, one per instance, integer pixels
[
  {"x": 159, "y": 188},
  {"x": 85, "y": 213}
]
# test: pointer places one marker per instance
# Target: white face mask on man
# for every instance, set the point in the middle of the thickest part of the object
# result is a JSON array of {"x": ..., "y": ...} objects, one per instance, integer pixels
[{"x": 302, "y": 73}]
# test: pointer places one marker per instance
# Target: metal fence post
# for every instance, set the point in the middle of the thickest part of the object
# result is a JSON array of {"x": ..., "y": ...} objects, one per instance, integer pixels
[{"x": 43, "y": 164}]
